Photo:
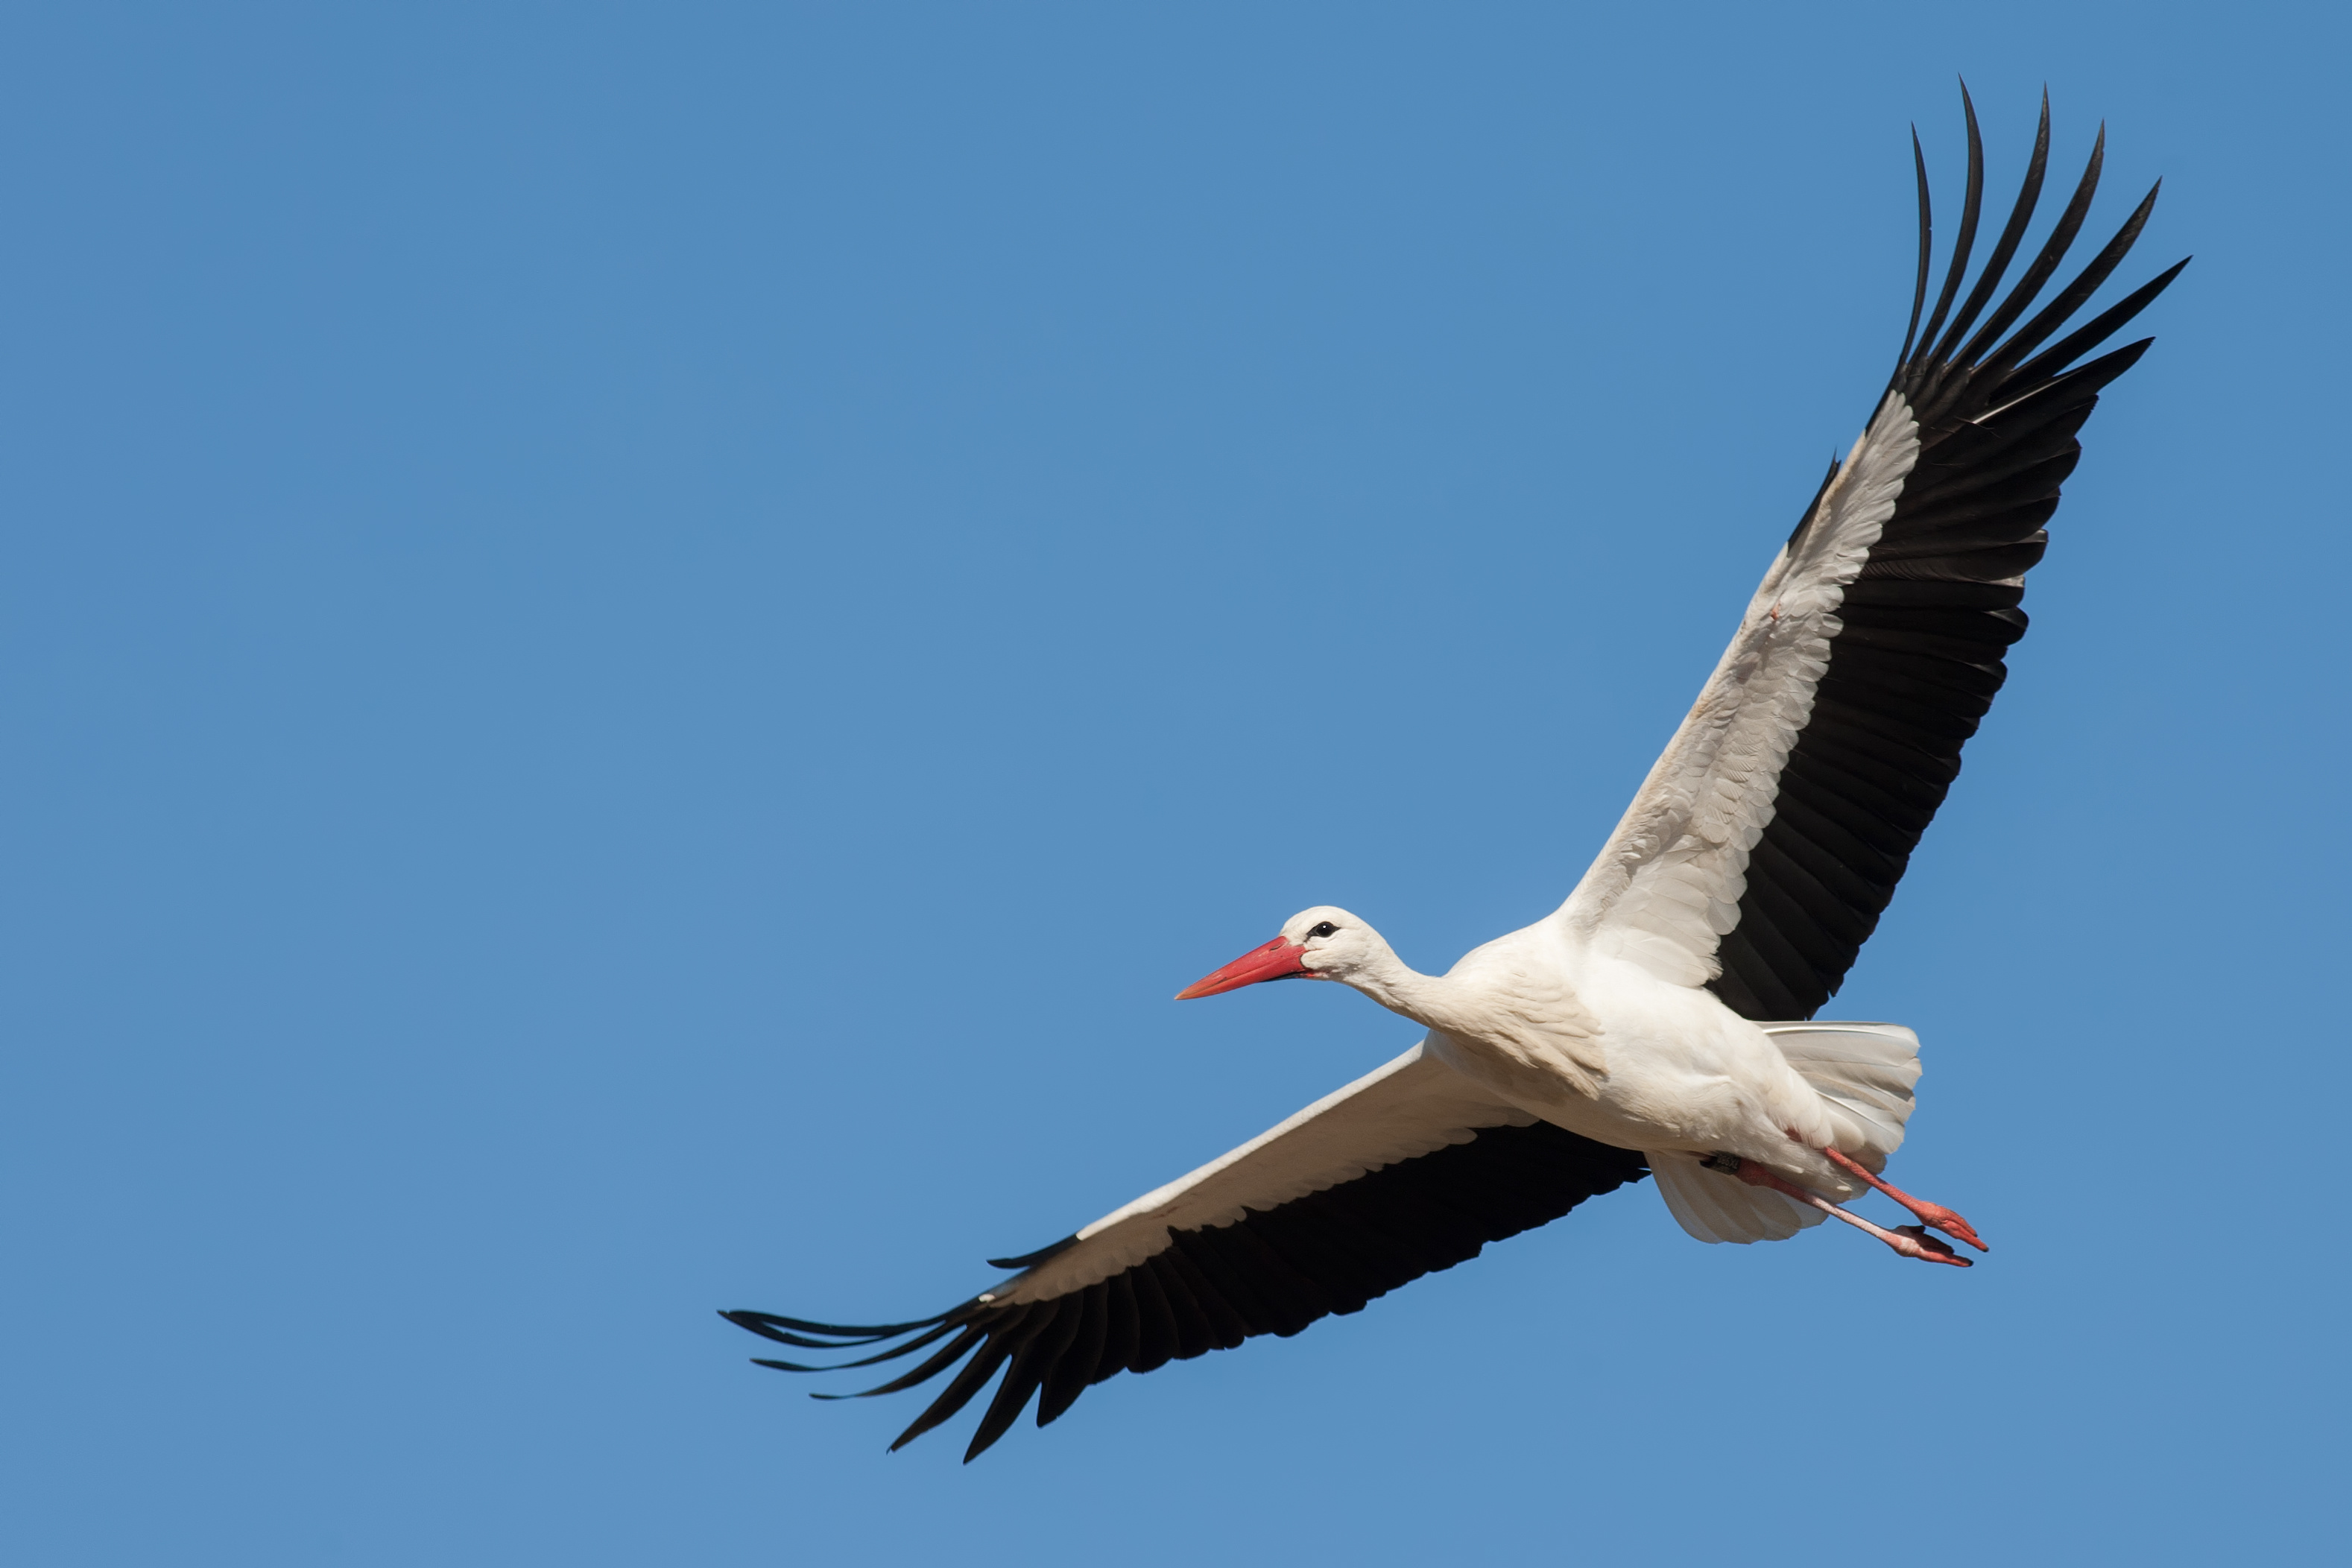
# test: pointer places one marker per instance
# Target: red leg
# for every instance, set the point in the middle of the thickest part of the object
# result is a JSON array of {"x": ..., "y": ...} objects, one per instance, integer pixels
[
  {"x": 1936, "y": 1214},
  {"x": 1909, "y": 1240}
]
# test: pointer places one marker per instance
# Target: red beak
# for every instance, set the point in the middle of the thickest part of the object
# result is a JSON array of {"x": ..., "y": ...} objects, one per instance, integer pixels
[{"x": 1277, "y": 960}]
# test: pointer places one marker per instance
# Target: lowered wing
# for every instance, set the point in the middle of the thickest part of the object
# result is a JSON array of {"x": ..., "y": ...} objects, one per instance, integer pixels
[
  {"x": 1767, "y": 841},
  {"x": 1409, "y": 1169}
]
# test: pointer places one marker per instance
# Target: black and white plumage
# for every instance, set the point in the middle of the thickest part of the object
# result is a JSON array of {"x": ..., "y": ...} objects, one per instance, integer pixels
[
  {"x": 1658, "y": 1023},
  {"x": 1918, "y": 655},
  {"x": 1363, "y": 1191}
]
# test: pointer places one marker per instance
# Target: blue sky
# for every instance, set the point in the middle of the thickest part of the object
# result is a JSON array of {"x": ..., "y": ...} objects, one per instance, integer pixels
[{"x": 638, "y": 644}]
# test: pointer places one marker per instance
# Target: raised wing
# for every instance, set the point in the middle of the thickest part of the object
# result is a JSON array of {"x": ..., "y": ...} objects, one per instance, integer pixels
[
  {"x": 1767, "y": 839},
  {"x": 1408, "y": 1169}
]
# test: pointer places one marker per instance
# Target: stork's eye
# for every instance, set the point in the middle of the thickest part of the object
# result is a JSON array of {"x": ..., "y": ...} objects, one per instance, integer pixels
[{"x": 1326, "y": 929}]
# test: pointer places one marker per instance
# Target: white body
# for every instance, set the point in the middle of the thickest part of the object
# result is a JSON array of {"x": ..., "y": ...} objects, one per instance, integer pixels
[
  {"x": 1680, "y": 1071},
  {"x": 1601, "y": 1047}
]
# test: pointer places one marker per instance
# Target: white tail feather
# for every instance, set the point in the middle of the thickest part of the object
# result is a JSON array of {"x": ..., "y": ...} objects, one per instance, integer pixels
[{"x": 1864, "y": 1073}]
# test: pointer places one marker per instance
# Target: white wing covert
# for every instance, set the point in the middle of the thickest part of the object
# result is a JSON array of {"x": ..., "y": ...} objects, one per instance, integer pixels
[{"x": 1667, "y": 887}]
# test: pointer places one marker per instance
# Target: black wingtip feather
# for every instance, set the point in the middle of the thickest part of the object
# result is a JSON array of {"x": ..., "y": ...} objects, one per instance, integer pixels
[
  {"x": 2045, "y": 262},
  {"x": 1040, "y": 1337},
  {"x": 745, "y": 1319},
  {"x": 2097, "y": 329},
  {"x": 970, "y": 1381},
  {"x": 2029, "y": 196},
  {"x": 1971, "y": 206},
  {"x": 2070, "y": 298},
  {"x": 1031, "y": 1260},
  {"x": 939, "y": 1363},
  {"x": 1927, "y": 244}
]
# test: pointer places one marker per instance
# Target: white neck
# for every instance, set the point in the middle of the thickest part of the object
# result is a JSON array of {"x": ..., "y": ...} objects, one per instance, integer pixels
[{"x": 1429, "y": 1000}]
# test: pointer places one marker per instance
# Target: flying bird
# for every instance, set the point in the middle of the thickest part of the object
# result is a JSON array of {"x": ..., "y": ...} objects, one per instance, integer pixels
[{"x": 1660, "y": 1023}]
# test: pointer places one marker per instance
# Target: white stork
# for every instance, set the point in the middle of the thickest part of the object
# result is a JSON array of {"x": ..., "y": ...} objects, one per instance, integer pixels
[{"x": 1657, "y": 1023}]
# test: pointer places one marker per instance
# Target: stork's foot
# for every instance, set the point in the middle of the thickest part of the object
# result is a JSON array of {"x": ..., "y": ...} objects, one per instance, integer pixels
[
  {"x": 1910, "y": 1240},
  {"x": 1938, "y": 1217},
  {"x": 1913, "y": 1241},
  {"x": 1935, "y": 1215}
]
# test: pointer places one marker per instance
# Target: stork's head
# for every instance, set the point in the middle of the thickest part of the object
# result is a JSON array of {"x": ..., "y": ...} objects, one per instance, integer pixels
[{"x": 1320, "y": 944}]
